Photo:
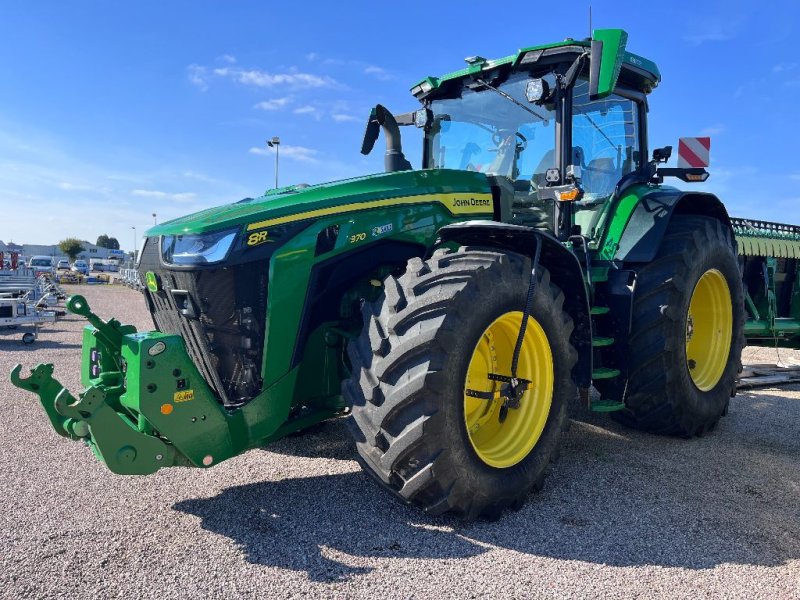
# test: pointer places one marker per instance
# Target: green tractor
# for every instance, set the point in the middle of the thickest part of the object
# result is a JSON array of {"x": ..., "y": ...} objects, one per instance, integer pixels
[{"x": 453, "y": 312}]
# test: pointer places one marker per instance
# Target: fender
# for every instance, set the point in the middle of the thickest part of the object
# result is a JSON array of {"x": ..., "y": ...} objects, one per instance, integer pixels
[
  {"x": 565, "y": 272},
  {"x": 634, "y": 236}
]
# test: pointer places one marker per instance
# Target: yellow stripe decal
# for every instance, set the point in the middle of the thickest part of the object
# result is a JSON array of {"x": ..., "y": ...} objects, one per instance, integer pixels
[{"x": 462, "y": 203}]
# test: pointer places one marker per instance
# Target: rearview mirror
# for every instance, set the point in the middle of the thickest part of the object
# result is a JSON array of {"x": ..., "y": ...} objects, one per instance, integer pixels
[{"x": 607, "y": 53}]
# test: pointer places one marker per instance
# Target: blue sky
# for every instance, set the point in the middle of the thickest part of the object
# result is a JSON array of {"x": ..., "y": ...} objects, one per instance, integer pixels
[{"x": 112, "y": 111}]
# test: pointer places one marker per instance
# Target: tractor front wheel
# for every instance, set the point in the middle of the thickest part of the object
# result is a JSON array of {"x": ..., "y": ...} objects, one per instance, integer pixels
[
  {"x": 687, "y": 331},
  {"x": 430, "y": 407}
]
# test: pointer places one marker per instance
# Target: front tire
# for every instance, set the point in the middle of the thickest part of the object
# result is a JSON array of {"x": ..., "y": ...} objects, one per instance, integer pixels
[
  {"x": 687, "y": 333},
  {"x": 437, "y": 333}
]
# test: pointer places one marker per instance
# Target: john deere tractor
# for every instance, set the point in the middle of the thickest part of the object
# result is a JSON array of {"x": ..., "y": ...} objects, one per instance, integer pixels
[{"x": 453, "y": 312}]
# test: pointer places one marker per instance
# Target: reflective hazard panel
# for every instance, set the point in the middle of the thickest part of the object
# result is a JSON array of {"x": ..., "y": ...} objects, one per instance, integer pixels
[{"x": 693, "y": 152}]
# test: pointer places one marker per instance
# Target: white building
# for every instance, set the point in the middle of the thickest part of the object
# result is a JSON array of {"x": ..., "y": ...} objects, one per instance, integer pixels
[{"x": 91, "y": 251}]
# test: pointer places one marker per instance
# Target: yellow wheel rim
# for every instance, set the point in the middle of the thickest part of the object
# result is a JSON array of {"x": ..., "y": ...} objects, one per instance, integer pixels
[
  {"x": 709, "y": 327},
  {"x": 504, "y": 444}
]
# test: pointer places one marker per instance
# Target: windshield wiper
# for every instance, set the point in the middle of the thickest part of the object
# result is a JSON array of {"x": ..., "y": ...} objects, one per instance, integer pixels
[{"x": 511, "y": 98}]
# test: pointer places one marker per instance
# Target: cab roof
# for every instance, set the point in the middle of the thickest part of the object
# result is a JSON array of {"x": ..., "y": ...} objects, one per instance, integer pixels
[{"x": 637, "y": 71}]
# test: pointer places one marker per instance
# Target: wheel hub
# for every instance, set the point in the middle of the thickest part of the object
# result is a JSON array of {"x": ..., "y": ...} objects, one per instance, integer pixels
[
  {"x": 709, "y": 329},
  {"x": 500, "y": 436}
]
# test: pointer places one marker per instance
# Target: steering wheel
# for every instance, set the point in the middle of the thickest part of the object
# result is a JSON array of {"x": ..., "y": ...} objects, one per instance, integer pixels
[{"x": 498, "y": 140}]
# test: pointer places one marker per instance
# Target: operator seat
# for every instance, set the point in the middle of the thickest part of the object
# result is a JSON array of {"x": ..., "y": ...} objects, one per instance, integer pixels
[{"x": 600, "y": 177}]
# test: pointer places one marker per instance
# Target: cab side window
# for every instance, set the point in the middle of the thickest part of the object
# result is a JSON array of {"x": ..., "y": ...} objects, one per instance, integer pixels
[{"x": 605, "y": 140}]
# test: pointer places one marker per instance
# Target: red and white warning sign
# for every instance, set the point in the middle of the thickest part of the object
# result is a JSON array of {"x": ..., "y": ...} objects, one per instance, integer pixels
[{"x": 693, "y": 152}]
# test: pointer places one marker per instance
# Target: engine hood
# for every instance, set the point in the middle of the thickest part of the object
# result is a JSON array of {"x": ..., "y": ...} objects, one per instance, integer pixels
[{"x": 294, "y": 200}]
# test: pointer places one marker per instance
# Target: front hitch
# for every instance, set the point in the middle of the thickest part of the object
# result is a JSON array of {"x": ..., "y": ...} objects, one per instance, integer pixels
[
  {"x": 97, "y": 416},
  {"x": 91, "y": 418}
]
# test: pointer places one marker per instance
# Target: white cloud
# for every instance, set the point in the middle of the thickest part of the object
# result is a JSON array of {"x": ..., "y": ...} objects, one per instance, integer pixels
[
  {"x": 783, "y": 67},
  {"x": 198, "y": 177},
  {"x": 80, "y": 187},
  {"x": 228, "y": 58},
  {"x": 708, "y": 36},
  {"x": 159, "y": 195},
  {"x": 304, "y": 110},
  {"x": 198, "y": 76},
  {"x": 342, "y": 118},
  {"x": 298, "y": 153},
  {"x": 51, "y": 173},
  {"x": 794, "y": 176},
  {"x": 713, "y": 130},
  {"x": 377, "y": 72},
  {"x": 715, "y": 29},
  {"x": 312, "y": 56},
  {"x": 274, "y": 103},
  {"x": 310, "y": 111},
  {"x": 258, "y": 78}
]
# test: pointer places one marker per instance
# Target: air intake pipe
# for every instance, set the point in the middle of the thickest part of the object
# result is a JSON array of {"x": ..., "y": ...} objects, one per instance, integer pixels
[{"x": 394, "y": 159}]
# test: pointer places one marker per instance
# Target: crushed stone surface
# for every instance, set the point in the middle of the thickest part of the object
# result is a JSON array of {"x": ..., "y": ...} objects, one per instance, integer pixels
[{"x": 622, "y": 515}]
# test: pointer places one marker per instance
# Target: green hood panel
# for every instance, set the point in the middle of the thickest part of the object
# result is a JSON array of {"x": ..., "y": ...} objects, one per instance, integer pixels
[{"x": 293, "y": 200}]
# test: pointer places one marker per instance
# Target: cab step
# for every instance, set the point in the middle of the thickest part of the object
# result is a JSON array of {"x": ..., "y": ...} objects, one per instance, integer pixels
[
  {"x": 600, "y": 310},
  {"x": 607, "y": 405},
  {"x": 605, "y": 373},
  {"x": 599, "y": 342}
]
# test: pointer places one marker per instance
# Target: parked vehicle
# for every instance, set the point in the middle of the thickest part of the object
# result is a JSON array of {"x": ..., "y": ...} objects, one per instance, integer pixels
[
  {"x": 42, "y": 265},
  {"x": 80, "y": 266},
  {"x": 103, "y": 265},
  {"x": 63, "y": 265}
]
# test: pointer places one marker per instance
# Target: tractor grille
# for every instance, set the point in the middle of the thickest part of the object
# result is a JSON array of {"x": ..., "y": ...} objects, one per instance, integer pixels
[{"x": 220, "y": 314}]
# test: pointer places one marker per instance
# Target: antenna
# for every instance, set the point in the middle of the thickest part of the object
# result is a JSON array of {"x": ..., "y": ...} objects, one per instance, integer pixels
[{"x": 590, "y": 21}]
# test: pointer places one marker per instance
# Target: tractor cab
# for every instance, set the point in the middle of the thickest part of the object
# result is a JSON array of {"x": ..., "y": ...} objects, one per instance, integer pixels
[
  {"x": 557, "y": 127},
  {"x": 554, "y": 127}
]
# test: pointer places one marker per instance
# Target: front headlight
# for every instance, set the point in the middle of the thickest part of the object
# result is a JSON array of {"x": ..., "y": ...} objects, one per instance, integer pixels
[{"x": 197, "y": 249}]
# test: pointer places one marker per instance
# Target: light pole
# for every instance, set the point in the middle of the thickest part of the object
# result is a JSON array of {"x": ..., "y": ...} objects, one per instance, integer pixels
[
  {"x": 134, "y": 244},
  {"x": 274, "y": 143},
  {"x": 154, "y": 219}
]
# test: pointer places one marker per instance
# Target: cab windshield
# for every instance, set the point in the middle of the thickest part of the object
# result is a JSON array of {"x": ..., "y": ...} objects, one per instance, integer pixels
[{"x": 483, "y": 131}]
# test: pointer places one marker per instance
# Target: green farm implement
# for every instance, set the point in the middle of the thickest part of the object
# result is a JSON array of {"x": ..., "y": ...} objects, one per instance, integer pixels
[{"x": 452, "y": 312}]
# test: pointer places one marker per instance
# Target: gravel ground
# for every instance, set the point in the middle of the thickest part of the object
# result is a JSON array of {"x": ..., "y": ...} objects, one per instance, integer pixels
[{"x": 622, "y": 514}]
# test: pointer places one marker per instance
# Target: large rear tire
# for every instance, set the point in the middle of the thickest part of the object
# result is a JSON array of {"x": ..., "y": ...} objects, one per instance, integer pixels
[
  {"x": 435, "y": 335},
  {"x": 687, "y": 333}
]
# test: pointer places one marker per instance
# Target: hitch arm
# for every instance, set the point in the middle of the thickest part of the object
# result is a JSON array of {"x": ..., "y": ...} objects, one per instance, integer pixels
[
  {"x": 42, "y": 383},
  {"x": 109, "y": 333},
  {"x": 123, "y": 448}
]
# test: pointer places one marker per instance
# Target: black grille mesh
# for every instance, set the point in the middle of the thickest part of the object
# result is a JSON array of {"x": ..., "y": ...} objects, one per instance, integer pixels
[{"x": 220, "y": 314}]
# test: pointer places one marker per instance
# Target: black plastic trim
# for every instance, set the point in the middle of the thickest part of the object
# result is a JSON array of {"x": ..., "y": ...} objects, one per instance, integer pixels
[
  {"x": 330, "y": 279},
  {"x": 645, "y": 230}
]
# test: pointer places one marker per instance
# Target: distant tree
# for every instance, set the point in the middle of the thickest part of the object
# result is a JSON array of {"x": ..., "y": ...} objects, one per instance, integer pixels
[
  {"x": 105, "y": 241},
  {"x": 71, "y": 247}
]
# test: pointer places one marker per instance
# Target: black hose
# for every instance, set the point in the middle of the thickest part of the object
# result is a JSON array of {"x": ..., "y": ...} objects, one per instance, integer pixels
[{"x": 526, "y": 313}]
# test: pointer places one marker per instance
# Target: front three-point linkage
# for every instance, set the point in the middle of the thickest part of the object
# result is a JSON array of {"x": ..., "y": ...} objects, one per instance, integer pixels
[
  {"x": 95, "y": 416},
  {"x": 513, "y": 387}
]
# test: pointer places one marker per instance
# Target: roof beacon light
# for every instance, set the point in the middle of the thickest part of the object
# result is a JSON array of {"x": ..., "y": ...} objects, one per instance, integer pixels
[{"x": 475, "y": 60}]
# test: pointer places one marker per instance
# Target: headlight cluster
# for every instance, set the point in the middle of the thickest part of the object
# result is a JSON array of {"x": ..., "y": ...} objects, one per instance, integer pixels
[{"x": 197, "y": 249}]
